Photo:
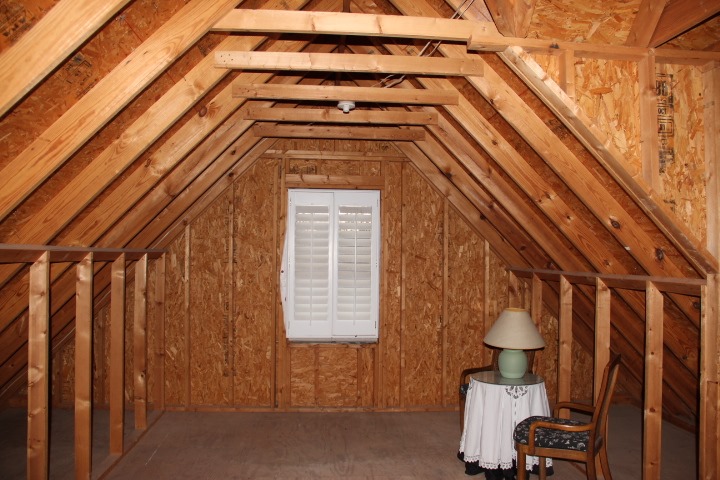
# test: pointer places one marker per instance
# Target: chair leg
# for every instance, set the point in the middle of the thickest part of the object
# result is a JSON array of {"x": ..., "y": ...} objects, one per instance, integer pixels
[
  {"x": 521, "y": 471},
  {"x": 604, "y": 464},
  {"x": 542, "y": 468},
  {"x": 461, "y": 405},
  {"x": 590, "y": 469}
]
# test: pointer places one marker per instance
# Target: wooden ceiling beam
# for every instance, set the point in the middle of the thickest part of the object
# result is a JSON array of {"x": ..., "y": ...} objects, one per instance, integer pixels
[
  {"x": 20, "y": 177},
  {"x": 681, "y": 15},
  {"x": 271, "y": 91},
  {"x": 56, "y": 36},
  {"x": 646, "y": 20},
  {"x": 512, "y": 17},
  {"x": 339, "y": 23},
  {"x": 315, "y": 115},
  {"x": 367, "y": 133},
  {"x": 15, "y": 253},
  {"x": 339, "y": 62}
]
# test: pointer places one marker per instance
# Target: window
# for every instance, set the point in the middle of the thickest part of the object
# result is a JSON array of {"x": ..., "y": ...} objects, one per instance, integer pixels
[{"x": 331, "y": 291}]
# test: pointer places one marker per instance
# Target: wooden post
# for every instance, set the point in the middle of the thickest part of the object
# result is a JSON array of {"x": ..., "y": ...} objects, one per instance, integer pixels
[
  {"x": 709, "y": 398},
  {"x": 140, "y": 343},
  {"x": 117, "y": 355},
  {"x": 487, "y": 321},
  {"x": 38, "y": 362},
  {"x": 652, "y": 425},
  {"x": 602, "y": 332},
  {"x": 649, "y": 122},
  {"x": 536, "y": 312},
  {"x": 709, "y": 425},
  {"x": 567, "y": 72},
  {"x": 159, "y": 392},
  {"x": 83, "y": 367},
  {"x": 565, "y": 342}
]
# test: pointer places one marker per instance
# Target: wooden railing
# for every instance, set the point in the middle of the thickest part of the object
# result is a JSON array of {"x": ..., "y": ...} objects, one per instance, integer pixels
[
  {"x": 39, "y": 340},
  {"x": 654, "y": 287}
]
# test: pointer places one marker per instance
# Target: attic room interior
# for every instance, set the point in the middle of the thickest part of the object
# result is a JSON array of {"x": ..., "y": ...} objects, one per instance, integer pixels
[{"x": 554, "y": 156}]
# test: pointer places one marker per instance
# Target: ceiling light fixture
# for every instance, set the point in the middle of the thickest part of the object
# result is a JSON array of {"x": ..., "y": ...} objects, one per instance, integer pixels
[{"x": 346, "y": 105}]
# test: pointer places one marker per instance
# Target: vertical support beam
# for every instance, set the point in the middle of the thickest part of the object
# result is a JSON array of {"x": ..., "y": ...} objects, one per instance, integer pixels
[
  {"x": 567, "y": 72},
  {"x": 711, "y": 121},
  {"x": 83, "y": 367},
  {"x": 602, "y": 332},
  {"x": 140, "y": 343},
  {"x": 159, "y": 390},
  {"x": 117, "y": 355},
  {"x": 515, "y": 299},
  {"x": 536, "y": 313},
  {"x": 709, "y": 455},
  {"x": 709, "y": 396},
  {"x": 565, "y": 342},
  {"x": 186, "y": 289},
  {"x": 444, "y": 319},
  {"x": 487, "y": 321},
  {"x": 38, "y": 364},
  {"x": 649, "y": 122},
  {"x": 652, "y": 424}
]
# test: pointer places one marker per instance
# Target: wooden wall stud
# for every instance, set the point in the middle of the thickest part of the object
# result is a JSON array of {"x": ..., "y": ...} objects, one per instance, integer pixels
[
  {"x": 117, "y": 356},
  {"x": 83, "y": 367},
  {"x": 38, "y": 361}
]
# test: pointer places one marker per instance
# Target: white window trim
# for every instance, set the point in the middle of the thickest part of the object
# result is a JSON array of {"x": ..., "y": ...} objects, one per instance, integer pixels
[{"x": 330, "y": 328}]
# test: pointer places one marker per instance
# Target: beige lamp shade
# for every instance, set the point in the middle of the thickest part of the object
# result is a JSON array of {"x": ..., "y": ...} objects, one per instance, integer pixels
[{"x": 514, "y": 329}]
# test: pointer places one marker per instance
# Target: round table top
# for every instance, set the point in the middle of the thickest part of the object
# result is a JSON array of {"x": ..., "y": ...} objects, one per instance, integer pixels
[{"x": 494, "y": 377}]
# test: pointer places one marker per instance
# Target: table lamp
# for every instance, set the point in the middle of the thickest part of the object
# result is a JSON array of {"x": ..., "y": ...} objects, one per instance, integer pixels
[{"x": 514, "y": 331}]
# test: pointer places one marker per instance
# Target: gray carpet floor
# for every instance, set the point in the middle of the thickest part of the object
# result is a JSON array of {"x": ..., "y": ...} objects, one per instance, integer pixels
[{"x": 263, "y": 446}]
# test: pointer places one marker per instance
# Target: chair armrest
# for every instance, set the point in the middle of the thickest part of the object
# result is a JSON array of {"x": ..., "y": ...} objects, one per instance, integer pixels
[{"x": 580, "y": 407}]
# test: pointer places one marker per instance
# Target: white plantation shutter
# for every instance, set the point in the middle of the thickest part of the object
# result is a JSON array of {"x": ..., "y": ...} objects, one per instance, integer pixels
[
  {"x": 333, "y": 264},
  {"x": 353, "y": 300},
  {"x": 309, "y": 265}
]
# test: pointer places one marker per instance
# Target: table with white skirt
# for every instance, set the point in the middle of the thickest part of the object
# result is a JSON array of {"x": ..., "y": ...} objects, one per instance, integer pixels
[{"x": 494, "y": 405}]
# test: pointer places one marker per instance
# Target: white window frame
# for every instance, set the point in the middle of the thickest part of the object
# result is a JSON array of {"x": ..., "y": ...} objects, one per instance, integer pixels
[{"x": 331, "y": 325}]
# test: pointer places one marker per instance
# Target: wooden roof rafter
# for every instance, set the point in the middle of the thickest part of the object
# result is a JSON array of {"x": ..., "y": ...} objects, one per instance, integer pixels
[
  {"x": 270, "y": 91},
  {"x": 315, "y": 115},
  {"x": 27, "y": 171},
  {"x": 341, "y": 62}
]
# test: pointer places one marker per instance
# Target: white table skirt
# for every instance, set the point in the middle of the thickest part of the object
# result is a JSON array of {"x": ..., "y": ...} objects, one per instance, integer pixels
[{"x": 491, "y": 414}]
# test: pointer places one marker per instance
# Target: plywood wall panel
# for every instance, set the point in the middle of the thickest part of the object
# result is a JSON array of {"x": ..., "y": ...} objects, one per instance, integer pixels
[
  {"x": 101, "y": 354},
  {"x": 254, "y": 264},
  {"x": 210, "y": 323},
  {"x": 683, "y": 179},
  {"x": 389, "y": 369},
  {"x": 608, "y": 92},
  {"x": 422, "y": 291},
  {"x": 366, "y": 385},
  {"x": 303, "y": 369},
  {"x": 548, "y": 361},
  {"x": 129, "y": 334},
  {"x": 465, "y": 326},
  {"x": 18, "y": 17},
  {"x": 583, "y": 21},
  {"x": 498, "y": 298},
  {"x": 175, "y": 319},
  {"x": 337, "y": 376}
]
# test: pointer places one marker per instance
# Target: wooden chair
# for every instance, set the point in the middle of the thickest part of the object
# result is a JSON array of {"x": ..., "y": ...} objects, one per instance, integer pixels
[
  {"x": 570, "y": 439},
  {"x": 465, "y": 378}
]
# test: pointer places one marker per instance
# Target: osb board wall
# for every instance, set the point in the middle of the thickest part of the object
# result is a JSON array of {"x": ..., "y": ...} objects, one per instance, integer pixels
[
  {"x": 683, "y": 180},
  {"x": 608, "y": 93},
  {"x": 433, "y": 300}
]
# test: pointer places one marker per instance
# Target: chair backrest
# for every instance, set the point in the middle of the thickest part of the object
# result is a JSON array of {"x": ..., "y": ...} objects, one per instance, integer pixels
[{"x": 606, "y": 391}]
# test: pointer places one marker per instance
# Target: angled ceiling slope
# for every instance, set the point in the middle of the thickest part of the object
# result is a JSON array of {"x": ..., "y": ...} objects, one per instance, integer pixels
[{"x": 155, "y": 128}]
